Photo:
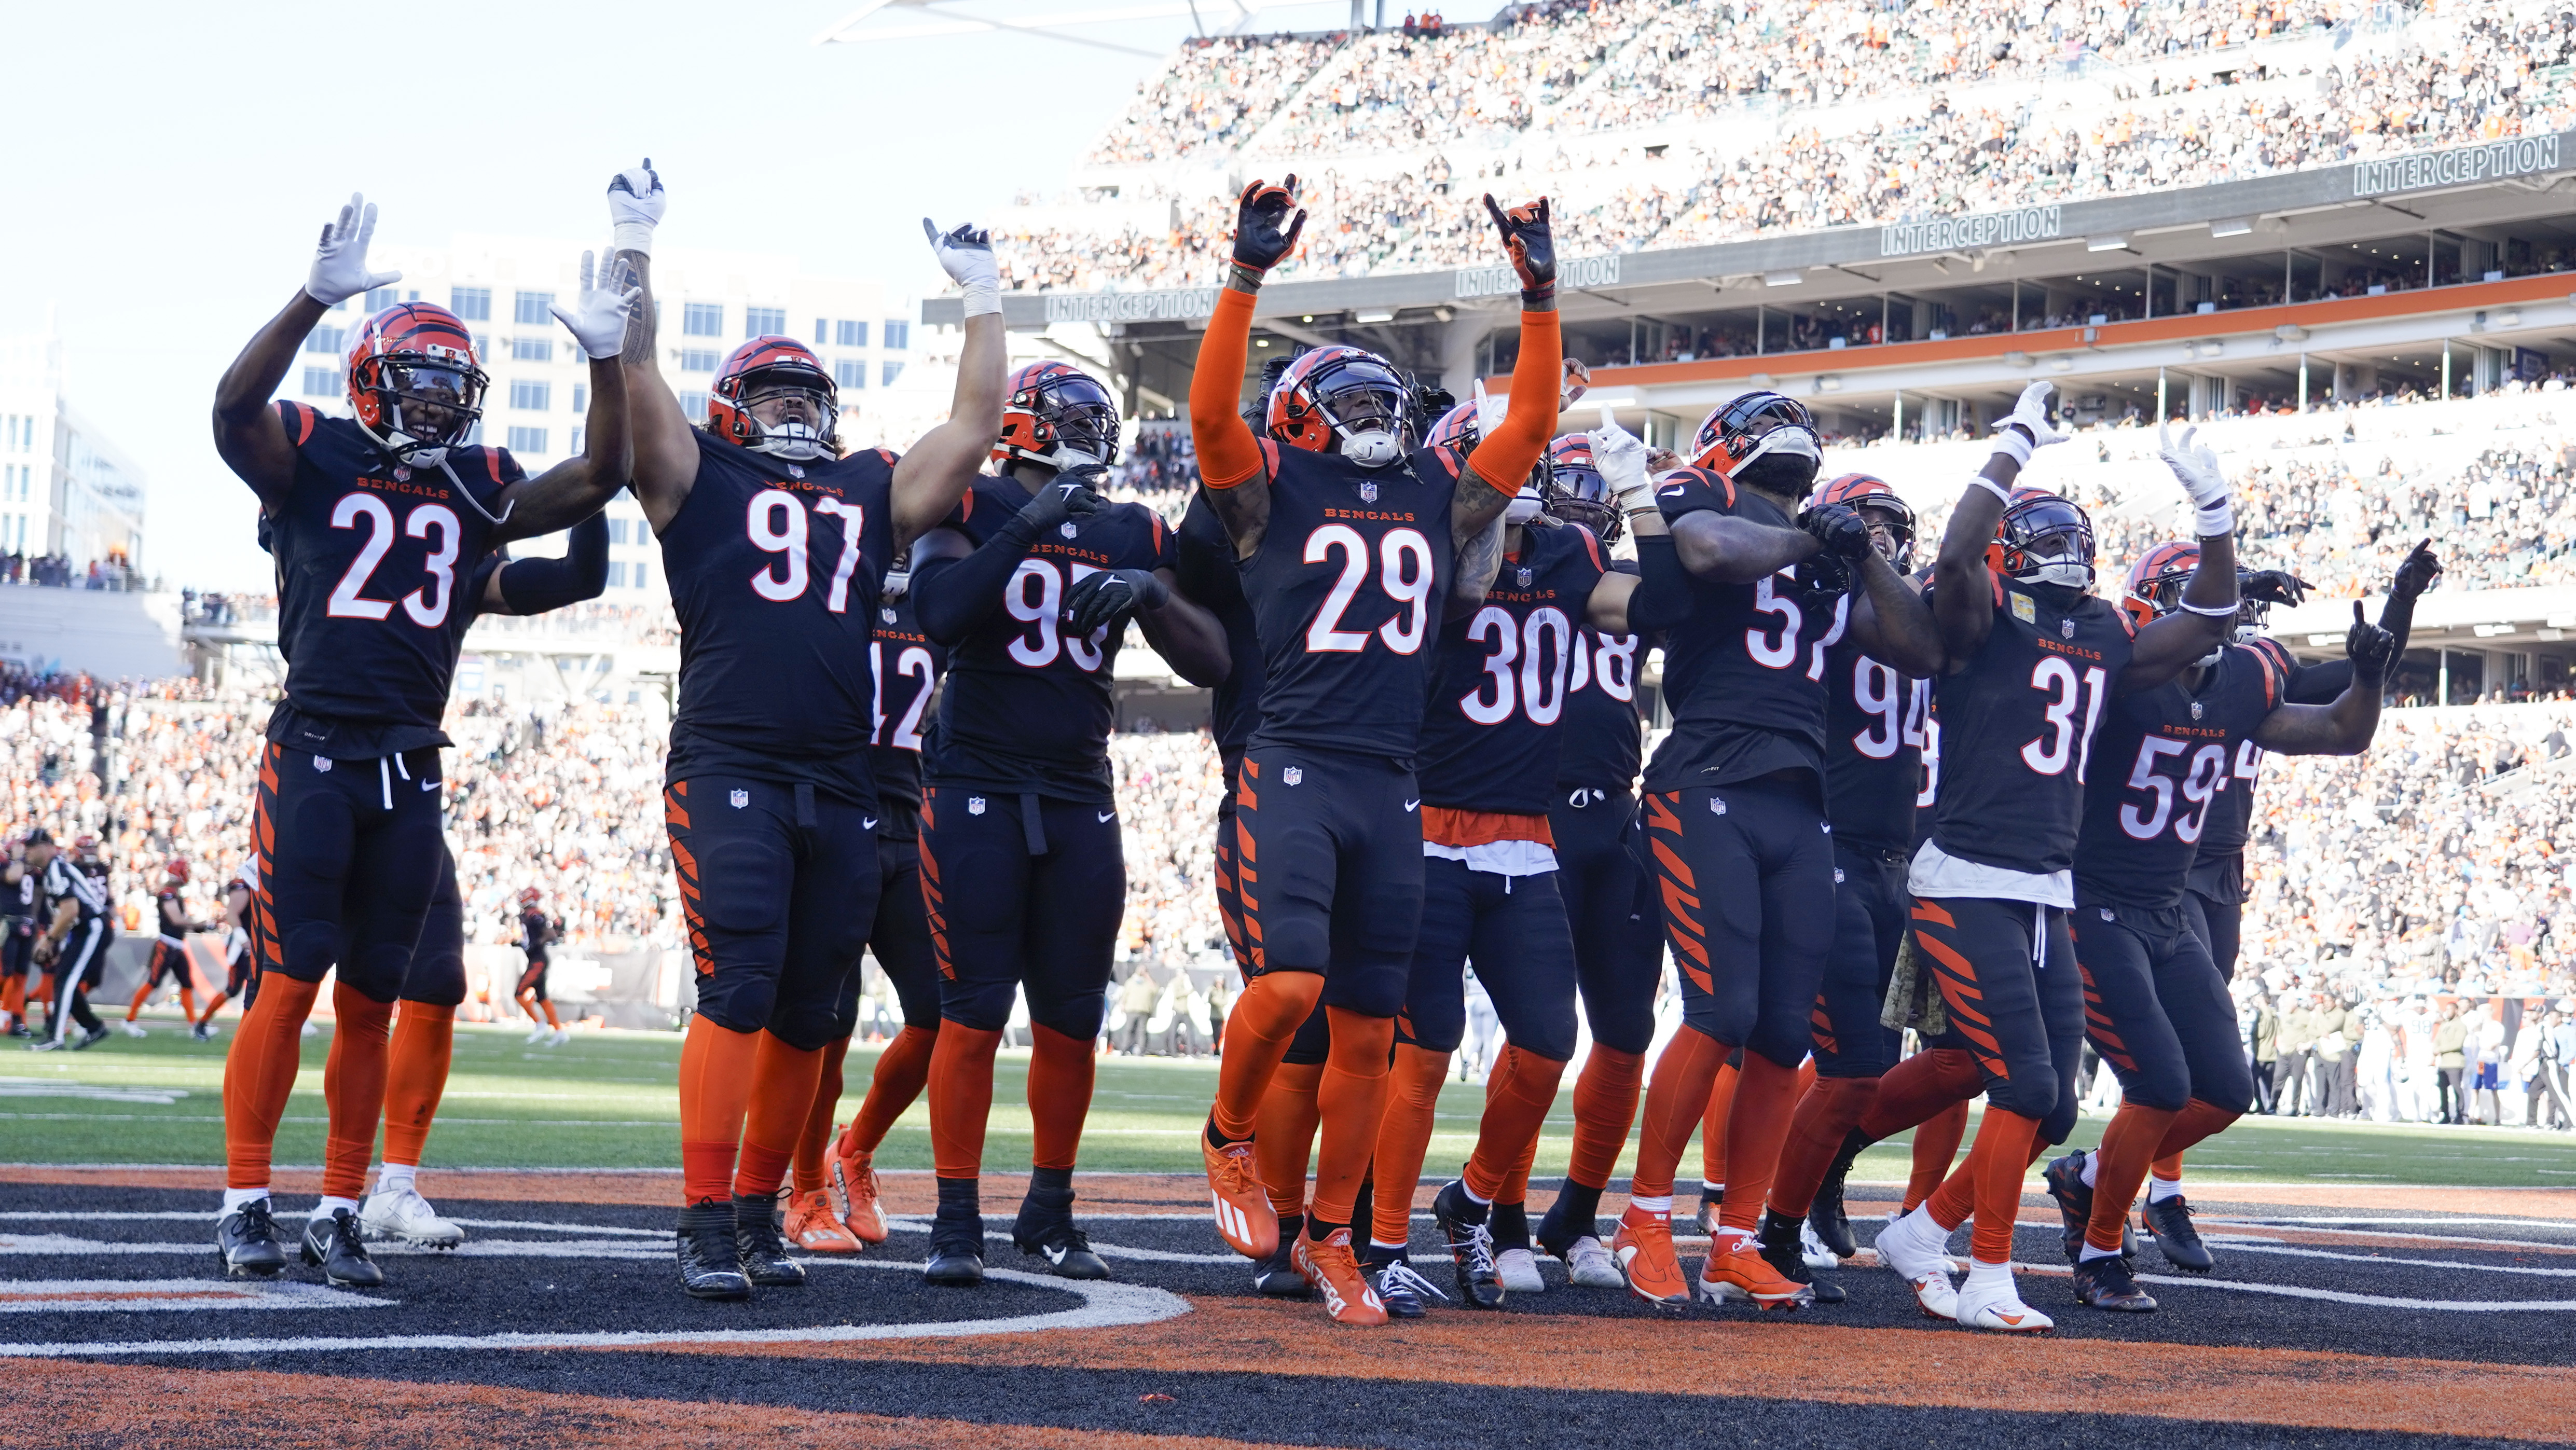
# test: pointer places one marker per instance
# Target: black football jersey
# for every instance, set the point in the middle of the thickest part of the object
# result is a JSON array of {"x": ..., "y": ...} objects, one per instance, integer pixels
[
  {"x": 907, "y": 664},
  {"x": 1745, "y": 673},
  {"x": 1604, "y": 739},
  {"x": 1204, "y": 567},
  {"x": 2231, "y": 820},
  {"x": 1503, "y": 677},
  {"x": 1873, "y": 750},
  {"x": 774, "y": 570},
  {"x": 534, "y": 930},
  {"x": 372, "y": 560},
  {"x": 1028, "y": 707},
  {"x": 2017, "y": 727},
  {"x": 2166, "y": 761},
  {"x": 1347, "y": 591}
]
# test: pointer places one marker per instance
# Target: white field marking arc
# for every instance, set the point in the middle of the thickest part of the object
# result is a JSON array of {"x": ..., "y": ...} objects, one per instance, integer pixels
[
  {"x": 2455, "y": 1241},
  {"x": 2240, "y": 1244},
  {"x": 2333, "y": 1296},
  {"x": 121, "y": 1296},
  {"x": 1106, "y": 1305},
  {"x": 23, "y": 1245},
  {"x": 183, "y": 1215}
]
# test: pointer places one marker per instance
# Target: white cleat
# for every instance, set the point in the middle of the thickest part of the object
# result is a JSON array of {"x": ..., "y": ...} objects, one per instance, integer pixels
[
  {"x": 1998, "y": 1309},
  {"x": 1814, "y": 1250},
  {"x": 561, "y": 1036},
  {"x": 1917, "y": 1249},
  {"x": 406, "y": 1217},
  {"x": 1589, "y": 1266},
  {"x": 1518, "y": 1269},
  {"x": 134, "y": 1029},
  {"x": 537, "y": 1034}
]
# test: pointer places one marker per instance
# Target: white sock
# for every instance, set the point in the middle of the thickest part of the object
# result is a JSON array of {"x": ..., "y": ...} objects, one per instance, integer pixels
[
  {"x": 328, "y": 1206},
  {"x": 2160, "y": 1189},
  {"x": 1662, "y": 1206},
  {"x": 2091, "y": 1253},
  {"x": 1472, "y": 1195},
  {"x": 1723, "y": 1232},
  {"x": 2092, "y": 1165},
  {"x": 1382, "y": 1245},
  {"x": 1991, "y": 1278},
  {"x": 1711, "y": 1190},
  {"x": 395, "y": 1177},
  {"x": 236, "y": 1197}
]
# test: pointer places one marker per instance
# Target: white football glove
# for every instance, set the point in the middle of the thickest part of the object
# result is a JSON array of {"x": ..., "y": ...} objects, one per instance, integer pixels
[
  {"x": 635, "y": 205},
  {"x": 966, "y": 255},
  {"x": 598, "y": 316},
  {"x": 2030, "y": 413},
  {"x": 340, "y": 258},
  {"x": 1621, "y": 457},
  {"x": 2213, "y": 512}
]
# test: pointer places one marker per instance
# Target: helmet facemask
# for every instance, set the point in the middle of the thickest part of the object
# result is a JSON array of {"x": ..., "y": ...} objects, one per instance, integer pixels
[
  {"x": 1763, "y": 440},
  {"x": 1574, "y": 491},
  {"x": 804, "y": 417},
  {"x": 2047, "y": 541},
  {"x": 1368, "y": 407},
  {"x": 425, "y": 406}
]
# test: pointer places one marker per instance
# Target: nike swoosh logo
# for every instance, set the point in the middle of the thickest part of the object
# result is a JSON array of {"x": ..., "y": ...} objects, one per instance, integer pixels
[
  {"x": 1676, "y": 489},
  {"x": 2009, "y": 1318},
  {"x": 868, "y": 823},
  {"x": 1107, "y": 816},
  {"x": 1054, "y": 1256},
  {"x": 1408, "y": 805}
]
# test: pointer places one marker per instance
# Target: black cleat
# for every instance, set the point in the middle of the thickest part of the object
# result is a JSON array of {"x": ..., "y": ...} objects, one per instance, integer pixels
[
  {"x": 1401, "y": 1290},
  {"x": 21, "y": 1029},
  {"x": 2169, "y": 1220},
  {"x": 757, "y": 1244},
  {"x": 1711, "y": 1201},
  {"x": 1825, "y": 1215},
  {"x": 1276, "y": 1276},
  {"x": 956, "y": 1251},
  {"x": 1045, "y": 1226},
  {"x": 332, "y": 1245},
  {"x": 246, "y": 1241},
  {"x": 2065, "y": 1180},
  {"x": 2105, "y": 1283},
  {"x": 710, "y": 1260},
  {"x": 1471, "y": 1246},
  {"x": 1785, "y": 1251}
]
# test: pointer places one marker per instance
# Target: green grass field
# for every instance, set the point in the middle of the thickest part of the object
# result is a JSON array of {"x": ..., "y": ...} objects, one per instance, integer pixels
[{"x": 610, "y": 1100}]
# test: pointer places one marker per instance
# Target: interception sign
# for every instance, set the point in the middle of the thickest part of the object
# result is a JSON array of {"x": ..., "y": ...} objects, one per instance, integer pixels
[
  {"x": 1978, "y": 229},
  {"x": 2492, "y": 161},
  {"x": 1572, "y": 273},
  {"x": 1177, "y": 305}
]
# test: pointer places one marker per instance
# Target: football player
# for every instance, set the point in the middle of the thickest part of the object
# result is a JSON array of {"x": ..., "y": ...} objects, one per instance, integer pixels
[
  {"x": 73, "y": 943},
  {"x": 1030, "y": 585},
  {"x": 537, "y": 931},
  {"x": 1349, "y": 539},
  {"x": 2155, "y": 1006},
  {"x": 2032, "y": 659},
  {"x": 22, "y": 880},
  {"x": 776, "y": 545},
  {"x": 376, "y": 521},
  {"x": 1735, "y": 818},
  {"x": 241, "y": 964},
  {"x": 169, "y": 952}
]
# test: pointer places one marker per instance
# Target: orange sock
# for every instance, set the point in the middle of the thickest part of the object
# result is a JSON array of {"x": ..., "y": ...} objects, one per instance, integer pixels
[
  {"x": 1675, "y": 1098},
  {"x": 1757, "y": 1123},
  {"x": 353, "y": 1088},
  {"x": 1257, "y": 1033},
  {"x": 141, "y": 994},
  {"x": 1826, "y": 1113},
  {"x": 2120, "y": 1168},
  {"x": 2169, "y": 1167},
  {"x": 1712, "y": 1123},
  {"x": 1919, "y": 1089},
  {"x": 1605, "y": 1107},
  {"x": 2198, "y": 1122},
  {"x": 1284, "y": 1135},
  {"x": 715, "y": 1093},
  {"x": 188, "y": 1003},
  {"x": 552, "y": 1020},
  {"x": 259, "y": 1073},
  {"x": 782, "y": 1095},
  {"x": 416, "y": 1077},
  {"x": 1404, "y": 1138},
  {"x": 528, "y": 1004},
  {"x": 902, "y": 1070},
  {"x": 1989, "y": 1184},
  {"x": 13, "y": 996},
  {"x": 1060, "y": 1073},
  {"x": 961, "y": 1098},
  {"x": 1349, "y": 1101},
  {"x": 1517, "y": 1097},
  {"x": 1936, "y": 1142},
  {"x": 818, "y": 1118}
]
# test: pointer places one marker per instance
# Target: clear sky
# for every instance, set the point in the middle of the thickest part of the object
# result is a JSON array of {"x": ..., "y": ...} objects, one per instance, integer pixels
[{"x": 170, "y": 165}]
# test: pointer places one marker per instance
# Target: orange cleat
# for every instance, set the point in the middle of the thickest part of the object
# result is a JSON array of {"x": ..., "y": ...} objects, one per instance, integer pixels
[
  {"x": 855, "y": 1175},
  {"x": 811, "y": 1226},
  {"x": 1644, "y": 1247},
  {"x": 1737, "y": 1272},
  {"x": 1335, "y": 1272},
  {"x": 1240, "y": 1203}
]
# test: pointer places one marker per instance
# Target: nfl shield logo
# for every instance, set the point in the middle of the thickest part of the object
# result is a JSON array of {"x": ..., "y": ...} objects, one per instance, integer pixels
[
  {"x": 886, "y": 614},
  {"x": 1716, "y": 805},
  {"x": 2066, "y": 627},
  {"x": 1066, "y": 528},
  {"x": 2195, "y": 709},
  {"x": 1368, "y": 491},
  {"x": 974, "y": 805},
  {"x": 795, "y": 472},
  {"x": 1525, "y": 578},
  {"x": 1292, "y": 775},
  {"x": 740, "y": 799}
]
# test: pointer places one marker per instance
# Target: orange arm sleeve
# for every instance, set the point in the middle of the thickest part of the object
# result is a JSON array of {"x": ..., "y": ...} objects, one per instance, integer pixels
[
  {"x": 1228, "y": 453},
  {"x": 1507, "y": 455}
]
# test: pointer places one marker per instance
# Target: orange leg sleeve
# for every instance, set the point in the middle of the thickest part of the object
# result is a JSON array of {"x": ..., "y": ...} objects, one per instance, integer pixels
[
  {"x": 1712, "y": 1124},
  {"x": 818, "y": 1118},
  {"x": 1517, "y": 1097},
  {"x": 1936, "y": 1142},
  {"x": 1284, "y": 1134},
  {"x": 1675, "y": 1098},
  {"x": 1257, "y": 1033},
  {"x": 13, "y": 996},
  {"x": 1349, "y": 1101},
  {"x": 1995, "y": 1166},
  {"x": 416, "y": 1077},
  {"x": 1757, "y": 1123},
  {"x": 2197, "y": 1123},
  {"x": 715, "y": 1094},
  {"x": 1919, "y": 1089},
  {"x": 551, "y": 1019},
  {"x": 2128, "y": 1145},
  {"x": 961, "y": 1098},
  {"x": 1060, "y": 1074},
  {"x": 1605, "y": 1107},
  {"x": 782, "y": 1096},
  {"x": 353, "y": 1089},
  {"x": 141, "y": 995},
  {"x": 902, "y": 1070},
  {"x": 1404, "y": 1138},
  {"x": 259, "y": 1073},
  {"x": 1827, "y": 1111}
]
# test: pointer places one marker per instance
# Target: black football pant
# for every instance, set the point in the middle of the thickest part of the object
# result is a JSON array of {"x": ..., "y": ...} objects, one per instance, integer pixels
[
  {"x": 349, "y": 855},
  {"x": 2015, "y": 1000},
  {"x": 1747, "y": 874},
  {"x": 2215, "y": 897},
  {"x": 1025, "y": 892},
  {"x": 899, "y": 940},
  {"x": 2156, "y": 1008},
  {"x": 1869, "y": 925},
  {"x": 1614, "y": 912},
  {"x": 76, "y": 968},
  {"x": 169, "y": 963},
  {"x": 1513, "y": 928},
  {"x": 777, "y": 884},
  {"x": 1328, "y": 871},
  {"x": 437, "y": 975}
]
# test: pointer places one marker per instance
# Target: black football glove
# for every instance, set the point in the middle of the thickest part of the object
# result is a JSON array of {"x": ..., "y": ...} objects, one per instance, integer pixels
[
  {"x": 1109, "y": 596},
  {"x": 1264, "y": 233},
  {"x": 2275, "y": 586},
  {"x": 1825, "y": 573},
  {"x": 1839, "y": 528},
  {"x": 1068, "y": 495},
  {"x": 2371, "y": 649},
  {"x": 2415, "y": 573},
  {"x": 1532, "y": 247}
]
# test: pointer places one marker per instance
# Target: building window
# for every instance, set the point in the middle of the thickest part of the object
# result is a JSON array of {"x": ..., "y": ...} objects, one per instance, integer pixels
[
  {"x": 534, "y": 308},
  {"x": 642, "y": 573},
  {"x": 527, "y": 440},
  {"x": 695, "y": 406},
  {"x": 580, "y": 400},
  {"x": 763, "y": 321},
  {"x": 698, "y": 360},
  {"x": 532, "y": 349},
  {"x": 851, "y": 372},
  {"x": 381, "y": 298},
  {"x": 531, "y": 396},
  {"x": 822, "y": 331},
  {"x": 472, "y": 304},
  {"x": 898, "y": 334},
  {"x": 616, "y": 570},
  {"x": 320, "y": 382},
  {"x": 616, "y": 533},
  {"x": 325, "y": 339},
  {"x": 853, "y": 334},
  {"x": 702, "y": 319},
  {"x": 893, "y": 370}
]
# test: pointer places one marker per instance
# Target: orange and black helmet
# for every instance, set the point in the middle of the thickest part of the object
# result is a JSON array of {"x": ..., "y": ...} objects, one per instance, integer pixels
[
  {"x": 1868, "y": 490},
  {"x": 1053, "y": 410},
  {"x": 414, "y": 383},
  {"x": 178, "y": 872},
  {"x": 2157, "y": 578},
  {"x": 2032, "y": 518},
  {"x": 1458, "y": 428},
  {"x": 1344, "y": 400},
  {"x": 765, "y": 367},
  {"x": 1754, "y": 425},
  {"x": 529, "y": 895},
  {"x": 1572, "y": 488}
]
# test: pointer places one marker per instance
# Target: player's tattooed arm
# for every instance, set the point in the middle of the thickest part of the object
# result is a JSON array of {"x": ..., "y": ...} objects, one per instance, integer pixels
[
  {"x": 2344, "y": 727},
  {"x": 942, "y": 465},
  {"x": 1479, "y": 563},
  {"x": 249, "y": 436},
  {"x": 579, "y": 487},
  {"x": 1232, "y": 474},
  {"x": 665, "y": 447}
]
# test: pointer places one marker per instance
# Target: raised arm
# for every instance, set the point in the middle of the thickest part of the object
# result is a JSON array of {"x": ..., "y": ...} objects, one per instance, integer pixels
[
  {"x": 1658, "y": 595},
  {"x": 938, "y": 469},
  {"x": 249, "y": 436},
  {"x": 2344, "y": 727},
  {"x": 1963, "y": 589},
  {"x": 2209, "y": 603},
  {"x": 578, "y": 488},
  {"x": 1504, "y": 457},
  {"x": 1231, "y": 473},
  {"x": 666, "y": 453}
]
